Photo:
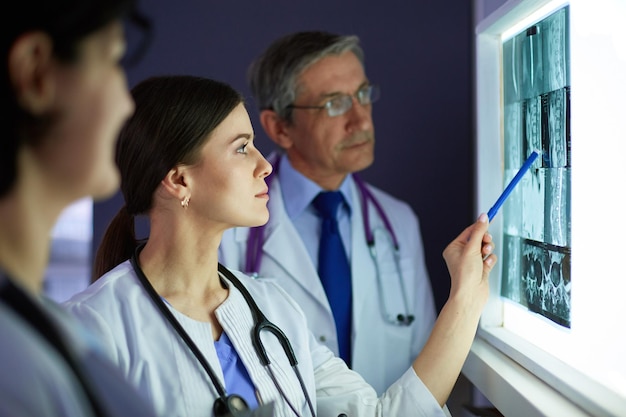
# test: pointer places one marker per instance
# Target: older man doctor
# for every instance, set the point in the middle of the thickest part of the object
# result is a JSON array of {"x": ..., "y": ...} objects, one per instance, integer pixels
[{"x": 377, "y": 310}]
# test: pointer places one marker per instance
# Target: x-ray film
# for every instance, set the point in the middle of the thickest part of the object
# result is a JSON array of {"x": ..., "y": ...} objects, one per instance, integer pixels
[{"x": 536, "y": 260}]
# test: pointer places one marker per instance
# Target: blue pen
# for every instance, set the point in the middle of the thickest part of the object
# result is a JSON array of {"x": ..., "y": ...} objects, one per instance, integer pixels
[{"x": 509, "y": 188}]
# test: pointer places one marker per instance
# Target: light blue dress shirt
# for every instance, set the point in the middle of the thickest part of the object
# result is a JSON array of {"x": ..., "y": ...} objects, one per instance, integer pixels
[{"x": 298, "y": 193}]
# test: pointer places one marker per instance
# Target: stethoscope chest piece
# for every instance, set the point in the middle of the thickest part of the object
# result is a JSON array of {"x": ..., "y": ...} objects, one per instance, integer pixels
[{"x": 229, "y": 406}]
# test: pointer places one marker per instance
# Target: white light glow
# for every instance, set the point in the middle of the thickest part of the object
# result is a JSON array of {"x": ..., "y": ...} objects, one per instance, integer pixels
[{"x": 596, "y": 342}]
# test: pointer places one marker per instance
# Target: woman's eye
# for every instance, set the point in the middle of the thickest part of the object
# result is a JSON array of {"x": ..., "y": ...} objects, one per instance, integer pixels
[{"x": 242, "y": 148}]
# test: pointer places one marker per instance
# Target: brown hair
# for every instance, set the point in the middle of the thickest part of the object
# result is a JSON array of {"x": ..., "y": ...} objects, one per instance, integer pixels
[{"x": 174, "y": 116}]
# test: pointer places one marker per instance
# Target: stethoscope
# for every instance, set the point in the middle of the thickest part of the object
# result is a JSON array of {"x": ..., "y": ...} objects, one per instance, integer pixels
[
  {"x": 230, "y": 404},
  {"x": 254, "y": 248}
]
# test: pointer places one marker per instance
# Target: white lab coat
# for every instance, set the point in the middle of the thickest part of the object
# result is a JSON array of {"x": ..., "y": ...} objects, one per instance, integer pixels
[
  {"x": 154, "y": 358},
  {"x": 381, "y": 352}
]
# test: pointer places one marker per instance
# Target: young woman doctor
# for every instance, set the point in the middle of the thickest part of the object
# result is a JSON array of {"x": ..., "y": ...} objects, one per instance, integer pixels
[{"x": 187, "y": 331}]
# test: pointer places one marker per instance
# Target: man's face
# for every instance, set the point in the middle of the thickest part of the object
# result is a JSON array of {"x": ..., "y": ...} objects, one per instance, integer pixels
[{"x": 325, "y": 148}]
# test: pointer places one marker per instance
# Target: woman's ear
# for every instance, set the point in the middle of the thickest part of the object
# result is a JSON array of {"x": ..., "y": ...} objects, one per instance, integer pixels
[
  {"x": 31, "y": 65},
  {"x": 276, "y": 128},
  {"x": 176, "y": 182}
]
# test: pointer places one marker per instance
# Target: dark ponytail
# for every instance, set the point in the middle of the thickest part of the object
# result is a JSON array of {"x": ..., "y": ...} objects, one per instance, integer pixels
[{"x": 117, "y": 245}]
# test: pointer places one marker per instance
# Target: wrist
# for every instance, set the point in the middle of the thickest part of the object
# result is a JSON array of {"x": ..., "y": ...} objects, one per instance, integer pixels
[{"x": 469, "y": 306}]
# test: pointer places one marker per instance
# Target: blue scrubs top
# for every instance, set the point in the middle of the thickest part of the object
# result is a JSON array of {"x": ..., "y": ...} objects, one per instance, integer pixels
[{"x": 236, "y": 375}]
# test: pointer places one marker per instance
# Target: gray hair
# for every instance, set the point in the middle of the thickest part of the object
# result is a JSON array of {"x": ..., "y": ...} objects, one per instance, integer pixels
[{"x": 273, "y": 76}]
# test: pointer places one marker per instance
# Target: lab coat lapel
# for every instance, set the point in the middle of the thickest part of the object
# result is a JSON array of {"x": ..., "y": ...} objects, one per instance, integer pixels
[{"x": 285, "y": 249}]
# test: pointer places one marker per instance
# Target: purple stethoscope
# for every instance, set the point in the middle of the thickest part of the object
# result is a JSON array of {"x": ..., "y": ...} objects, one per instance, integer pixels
[{"x": 254, "y": 247}]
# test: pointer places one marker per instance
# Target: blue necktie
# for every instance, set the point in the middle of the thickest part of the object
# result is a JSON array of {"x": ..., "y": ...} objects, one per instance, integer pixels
[{"x": 334, "y": 269}]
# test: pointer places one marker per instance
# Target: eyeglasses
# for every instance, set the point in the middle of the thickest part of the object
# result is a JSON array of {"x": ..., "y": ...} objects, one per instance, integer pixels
[{"x": 341, "y": 103}]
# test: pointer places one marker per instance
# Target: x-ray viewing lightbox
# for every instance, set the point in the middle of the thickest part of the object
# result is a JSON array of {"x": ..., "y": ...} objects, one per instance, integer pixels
[
  {"x": 536, "y": 244},
  {"x": 551, "y": 76}
]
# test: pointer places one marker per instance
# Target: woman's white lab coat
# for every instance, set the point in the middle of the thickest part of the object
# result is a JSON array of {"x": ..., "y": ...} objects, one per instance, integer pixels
[{"x": 152, "y": 355}]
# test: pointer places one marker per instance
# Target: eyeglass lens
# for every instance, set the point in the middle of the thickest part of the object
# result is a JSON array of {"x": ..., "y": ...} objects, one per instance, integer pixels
[{"x": 341, "y": 104}]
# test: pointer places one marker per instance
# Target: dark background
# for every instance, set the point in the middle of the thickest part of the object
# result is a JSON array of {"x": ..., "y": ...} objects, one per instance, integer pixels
[{"x": 419, "y": 52}]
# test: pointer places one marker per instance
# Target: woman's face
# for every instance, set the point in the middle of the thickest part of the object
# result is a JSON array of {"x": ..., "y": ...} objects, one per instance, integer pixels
[
  {"x": 228, "y": 183},
  {"x": 91, "y": 104}
]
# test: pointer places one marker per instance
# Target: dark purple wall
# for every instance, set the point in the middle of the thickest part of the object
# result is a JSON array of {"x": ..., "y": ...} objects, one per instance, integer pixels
[{"x": 419, "y": 52}]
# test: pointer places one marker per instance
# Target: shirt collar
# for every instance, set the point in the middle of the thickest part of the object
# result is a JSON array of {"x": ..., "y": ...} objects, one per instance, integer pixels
[{"x": 298, "y": 191}]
